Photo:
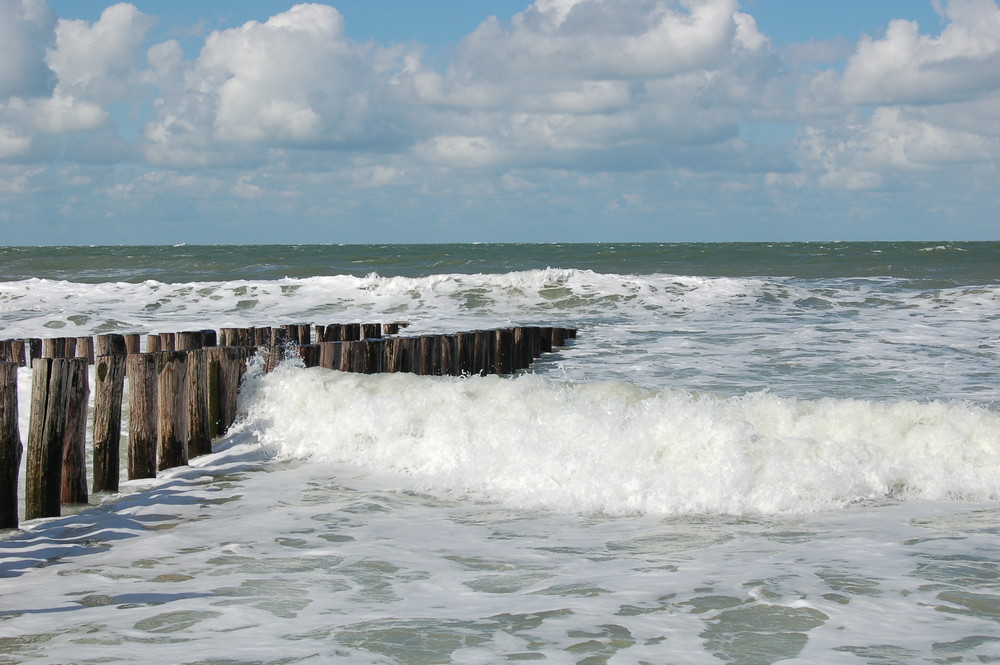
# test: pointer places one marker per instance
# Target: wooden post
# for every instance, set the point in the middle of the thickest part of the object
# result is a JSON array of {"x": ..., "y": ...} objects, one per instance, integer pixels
[
  {"x": 168, "y": 341},
  {"x": 10, "y": 446},
  {"x": 209, "y": 338},
  {"x": 329, "y": 354},
  {"x": 111, "y": 345},
  {"x": 232, "y": 364},
  {"x": 446, "y": 353},
  {"x": 153, "y": 343},
  {"x": 423, "y": 355},
  {"x": 188, "y": 340},
  {"x": 199, "y": 432},
  {"x": 142, "y": 437},
  {"x": 46, "y": 436},
  {"x": 393, "y": 354},
  {"x": 74, "y": 466},
  {"x": 34, "y": 348},
  {"x": 348, "y": 353},
  {"x": 546, "y": 336},
  {"x": 371, "y": 330},
  {"x": 109, "y": 379},
  {"x": 85, "y": 349},
  {"x": 17, "y": 350},
  {"x": 465, "y": 347},
  {"x": 54, "y": 347},
  {"x": 305, "y": 333},
  {"x": 504, "y": 345},
  {"x": 172, "y": 409},
  {"x": 309, "y": 354},
  {"x": 372, "y": 352},
  {"x": 131, "y": 343}
]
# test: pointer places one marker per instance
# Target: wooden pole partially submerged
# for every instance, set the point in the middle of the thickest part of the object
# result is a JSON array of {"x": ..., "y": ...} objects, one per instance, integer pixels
[
  {"x": 46, "y": 437},
  {"x": 109, "y": 380},
  {"x": 142, "y": 432},
  {"x": 74, "y": 466},
  {"x": 172, "y": 409},
  {"x": 10, "y": 446}
]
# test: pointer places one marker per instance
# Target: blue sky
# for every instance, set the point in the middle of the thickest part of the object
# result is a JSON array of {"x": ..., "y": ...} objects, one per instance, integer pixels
[{"x": 558, "y": 120}]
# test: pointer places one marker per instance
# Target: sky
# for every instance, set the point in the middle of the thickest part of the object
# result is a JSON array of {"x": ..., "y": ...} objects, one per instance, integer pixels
[{"x": 379, "y": 121}]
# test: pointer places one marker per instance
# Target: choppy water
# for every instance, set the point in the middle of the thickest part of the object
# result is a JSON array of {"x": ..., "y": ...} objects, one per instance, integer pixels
[{"x": 752, "y": 453}]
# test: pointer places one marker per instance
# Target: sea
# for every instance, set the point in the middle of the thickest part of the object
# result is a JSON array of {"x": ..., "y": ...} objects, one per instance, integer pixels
[{"x": 751, "y": 453}]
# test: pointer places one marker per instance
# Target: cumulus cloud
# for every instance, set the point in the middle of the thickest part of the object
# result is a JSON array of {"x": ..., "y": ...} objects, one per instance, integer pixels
[
  {"x": 906, "y": 66},
  {"x": 568, "y": 80},
  {"x": 294, "y": 80},
  {"x": 906, "y": 102},
  {"x": 291, "y": 105},
  {"x": 25, "y": 32}
]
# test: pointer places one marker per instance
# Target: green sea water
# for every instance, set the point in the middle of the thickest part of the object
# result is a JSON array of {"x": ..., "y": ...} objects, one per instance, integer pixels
[{"x": 949, "y": 263}]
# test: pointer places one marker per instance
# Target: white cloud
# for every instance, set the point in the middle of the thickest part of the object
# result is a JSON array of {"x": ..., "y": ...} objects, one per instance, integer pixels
[
  {"x": 97, "y": 62},
  {"x": 25, "y": 31},
  {"x": 906, "y": 66}
]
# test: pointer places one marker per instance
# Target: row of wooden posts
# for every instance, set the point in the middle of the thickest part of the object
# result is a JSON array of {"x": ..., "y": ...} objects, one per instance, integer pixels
[{"x": 183, "y": 393}]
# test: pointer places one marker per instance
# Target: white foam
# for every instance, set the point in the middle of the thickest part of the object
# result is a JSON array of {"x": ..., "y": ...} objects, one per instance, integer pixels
[{"x": 619, "y": 449}]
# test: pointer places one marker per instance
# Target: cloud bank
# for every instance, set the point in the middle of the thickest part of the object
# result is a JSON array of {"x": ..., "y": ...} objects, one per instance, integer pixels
[{"x": 619, "y": 108}]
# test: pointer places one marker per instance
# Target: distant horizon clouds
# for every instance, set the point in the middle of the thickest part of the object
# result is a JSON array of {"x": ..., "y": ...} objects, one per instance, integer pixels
[{"x": 557, "y": 120}]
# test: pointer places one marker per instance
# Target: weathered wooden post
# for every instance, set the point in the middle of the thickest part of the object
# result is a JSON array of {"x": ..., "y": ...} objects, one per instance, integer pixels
[
  {"x": 17, "y": 351},
  {"x": 153, "y": 343},
  {"x": 232, "y": 364},
  {"x": 393, "y": 354},
  {"x": 309, "y": 354},
  {"x": 142, "y": 435},
  {"x": 10, "y": 446},
  {"x": 188, "y": 340},
  {"x": 504, "y": 345},
  {"x": 371, "y": 331},
  {"x": 74, "y": 465},
  {"x": 54, "y": 347},
  {"x": 168, "y": 341},
  {"x": 111, "y": 345},
  {"x": 329, "y": 354},
  {"x": 199, "y": 433},
  {"x": 131, "y": 343},
  {"x": 85, "y": 348},
  {"x": 34, "y": 349},
  {"x": 109, "y": 380},
  {"x": 558, "y": 337},
  {"x": 172, "y": 411},
  {"x": 446, "y": 352},
  {"x": 372, "y": 352},
  {"x": 46, "y": 437}
]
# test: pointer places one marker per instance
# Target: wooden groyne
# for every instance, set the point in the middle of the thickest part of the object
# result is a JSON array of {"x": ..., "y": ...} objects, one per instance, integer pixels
[{"x": 182, "y": 393}]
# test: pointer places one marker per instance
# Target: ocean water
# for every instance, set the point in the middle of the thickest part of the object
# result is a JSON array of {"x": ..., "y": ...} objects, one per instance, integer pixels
[{"x": 752, "y": 453}]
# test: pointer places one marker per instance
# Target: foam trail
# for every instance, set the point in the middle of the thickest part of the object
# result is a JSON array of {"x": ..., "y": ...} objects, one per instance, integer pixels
[{"x": 616, "y": 448}]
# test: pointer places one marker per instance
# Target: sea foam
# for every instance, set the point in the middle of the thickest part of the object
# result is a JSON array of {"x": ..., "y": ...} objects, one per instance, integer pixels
[{"x": 616, "y": 448}]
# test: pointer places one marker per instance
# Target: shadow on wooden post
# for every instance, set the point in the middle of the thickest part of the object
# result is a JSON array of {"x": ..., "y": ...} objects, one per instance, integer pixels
[{"x": 10, "y": 446}]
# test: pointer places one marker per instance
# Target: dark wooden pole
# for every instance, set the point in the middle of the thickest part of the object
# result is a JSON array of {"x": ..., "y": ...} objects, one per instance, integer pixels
[
  {"x": 74, "y": 466},
  {"x": 153, "y": 343},
  {"x": 504, "y": 346},
  {"x": 109, "y": 387},
  {"x": 172, "y": 409},
  {"x": 46, "y": 436},
  {"x": 142, "y": 437},
  {"x": 232, "y": 365},
  {"x": 111, "y": 345},
  {"x": 199, "y": 430},
  {"x": 10, "y": 446}
]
